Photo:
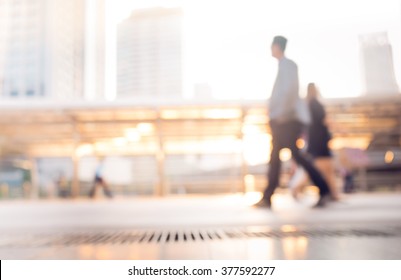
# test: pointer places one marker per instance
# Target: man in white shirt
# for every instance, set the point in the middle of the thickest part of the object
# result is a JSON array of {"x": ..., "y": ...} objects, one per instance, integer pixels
[{"x": 287, "y": 124}]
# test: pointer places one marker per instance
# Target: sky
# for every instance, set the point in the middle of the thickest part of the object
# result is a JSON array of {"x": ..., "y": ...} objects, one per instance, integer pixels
[{"x": 227, "y": 42}]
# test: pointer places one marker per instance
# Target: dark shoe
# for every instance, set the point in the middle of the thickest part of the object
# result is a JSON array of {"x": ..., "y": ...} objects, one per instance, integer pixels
[
  {"x": 334, "y": 199},
  {"x": 322, "y": 201},
  {"x": 263, "y": 203}
]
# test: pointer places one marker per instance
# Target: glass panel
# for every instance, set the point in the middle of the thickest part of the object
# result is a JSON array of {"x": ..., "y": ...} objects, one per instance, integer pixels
[{"x": 54, "y": 176}]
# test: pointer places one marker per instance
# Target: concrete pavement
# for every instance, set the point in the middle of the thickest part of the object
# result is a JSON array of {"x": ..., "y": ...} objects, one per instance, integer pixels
[{"x": 361, "y": 226}]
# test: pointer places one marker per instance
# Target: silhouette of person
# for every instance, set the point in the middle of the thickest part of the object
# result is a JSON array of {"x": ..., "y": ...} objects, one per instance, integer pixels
[
  {"x": 318, "y": 145},
  {"x": 62, "y": 185},
  {"x": 99, "y": 180},
  {"x": 286, "y": 123}
]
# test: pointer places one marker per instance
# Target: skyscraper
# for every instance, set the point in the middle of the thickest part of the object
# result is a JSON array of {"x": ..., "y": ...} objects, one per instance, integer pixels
[
  {"x": 95, "y": 49},
  {"x": 22, "y": 53},
  {"x": 149, "y": 54},
  {"x": 377, "y": 64},
  {"x": 43, "y": 48}
]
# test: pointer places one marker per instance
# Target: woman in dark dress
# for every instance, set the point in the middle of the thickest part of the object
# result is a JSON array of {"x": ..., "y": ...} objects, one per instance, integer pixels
[
  {"x": 318, "y": 138},
  {"x": 318, "y": 133}
]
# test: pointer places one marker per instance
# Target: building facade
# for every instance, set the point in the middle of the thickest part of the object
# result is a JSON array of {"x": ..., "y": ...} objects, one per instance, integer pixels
[
  {"x": 95, "y": 49},
  {"x": 43, "y": 50},
  {"x": 377, "y": 64},
  {"x": 149, "y": 54}
]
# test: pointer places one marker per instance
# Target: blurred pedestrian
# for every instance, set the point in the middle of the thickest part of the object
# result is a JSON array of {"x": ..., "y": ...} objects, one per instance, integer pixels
[
  {"x": 100, "y": 181},
  {"x": 62, "y": 185},
  {"x": 287, "y": 124},
  {"x": 318, "y": 138}
]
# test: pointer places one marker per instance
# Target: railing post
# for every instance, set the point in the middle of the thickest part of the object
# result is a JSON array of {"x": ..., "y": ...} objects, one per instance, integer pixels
[{"x": 161, "y": 189}]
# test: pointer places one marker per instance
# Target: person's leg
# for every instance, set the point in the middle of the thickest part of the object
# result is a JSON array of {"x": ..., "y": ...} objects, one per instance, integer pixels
[
  {"x": 307, "y": 163},
  {"x": 92, "y": 192},
  {"x": 349, "y": 186},
  {"x": 274, "y": 173},
  {"x": 298, "y": 182},
  {"x": 326, "y": 167},
  {"x": 313, "y": 173},
  {"x": 274, "y": 166},
  {"x": 106, "y": 188}
]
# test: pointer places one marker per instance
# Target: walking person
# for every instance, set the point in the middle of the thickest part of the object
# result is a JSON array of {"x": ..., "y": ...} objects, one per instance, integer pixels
[
  {"x": 99, "y": 180},
  {"x": 318, "y": 138},
  {"x": 62, "y": 185},
  {"x": 286, "y": 126}
]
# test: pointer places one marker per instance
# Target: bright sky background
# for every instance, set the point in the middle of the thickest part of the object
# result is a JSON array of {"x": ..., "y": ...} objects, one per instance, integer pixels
[{"x": 226, "y": 42}]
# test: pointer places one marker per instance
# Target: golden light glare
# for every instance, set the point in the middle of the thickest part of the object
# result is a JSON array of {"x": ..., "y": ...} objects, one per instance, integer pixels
[
  {"x": 132, "y": 135},
  {"x": 249, "y": 182},
  {"x": 257, "y": 148},
  {"x": 301, "y": 143},
  {"x": 250, "y": 129},
  {"x": 100, "y": 147},
  {"x": 285, "y": 154},
  {"x": 389, "y": 157},
  {"x": 84, "y": 150},
  {"x": 169, "y": 114},
  {"x": 288, "y": 228},
  {"x": 120, "y": 141},
  {"x": 145, "y": 128},
  {"x": 222, "y": 113},
  {"x": 295, "y": 247},
  {"x": 350, "y": 142},
  {"x": 251, "y": 198}
]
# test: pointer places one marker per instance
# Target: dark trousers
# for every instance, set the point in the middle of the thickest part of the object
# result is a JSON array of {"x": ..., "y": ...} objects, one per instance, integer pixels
[
  {"x": 102, "y": 183},
  {"x": 285, "y": 135}
]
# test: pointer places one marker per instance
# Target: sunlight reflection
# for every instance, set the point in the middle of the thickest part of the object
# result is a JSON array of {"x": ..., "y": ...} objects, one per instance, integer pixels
[{"x": 295, "y": 247}]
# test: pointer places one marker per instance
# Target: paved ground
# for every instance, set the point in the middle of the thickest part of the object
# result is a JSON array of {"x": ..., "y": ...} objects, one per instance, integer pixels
[{"x": 361, "y": 226}]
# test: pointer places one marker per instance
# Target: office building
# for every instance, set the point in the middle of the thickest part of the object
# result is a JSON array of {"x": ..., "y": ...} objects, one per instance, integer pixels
[
  {"x": 149, "y": 54},
  {"x": 49, "y": 48},
  {"x": 95, "y": 49},
  {"x": 377, "y": 64}
]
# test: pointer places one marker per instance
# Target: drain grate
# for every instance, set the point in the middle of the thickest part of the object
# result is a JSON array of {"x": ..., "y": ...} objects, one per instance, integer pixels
[
  {"x": 138, "y": 237},
  {"x": 191, "y": 235}
]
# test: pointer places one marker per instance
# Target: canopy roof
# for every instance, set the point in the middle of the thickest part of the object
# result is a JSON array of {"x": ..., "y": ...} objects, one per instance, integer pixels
[{"x": 60, "y": 128}]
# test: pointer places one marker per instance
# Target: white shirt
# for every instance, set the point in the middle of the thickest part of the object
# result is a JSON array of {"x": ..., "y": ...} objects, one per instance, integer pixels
[{"x": 285, "y": 95}]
